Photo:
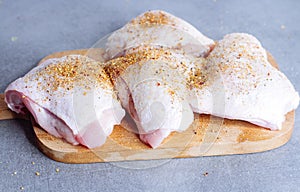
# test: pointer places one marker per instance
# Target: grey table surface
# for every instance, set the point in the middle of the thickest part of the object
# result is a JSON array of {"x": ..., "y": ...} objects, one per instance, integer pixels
[{"x": 32, "y": 29}]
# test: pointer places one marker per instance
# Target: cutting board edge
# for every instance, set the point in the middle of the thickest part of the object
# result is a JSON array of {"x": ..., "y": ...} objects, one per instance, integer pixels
[
  {"x": 75, "y": 158},
  {"x": 247, "y": 147}
]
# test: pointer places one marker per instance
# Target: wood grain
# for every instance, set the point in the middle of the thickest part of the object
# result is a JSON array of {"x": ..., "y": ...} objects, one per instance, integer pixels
[{"x": 207, "y": 136}]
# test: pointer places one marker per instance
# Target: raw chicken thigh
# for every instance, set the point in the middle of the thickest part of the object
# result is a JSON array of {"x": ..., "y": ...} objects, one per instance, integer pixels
[
  {"x": 152, "y": 88},
  {"x": 163, "y": 70},
  {"x": 70, "y": 97},
  {"x": 158, "y": 28},
  {"x": 150, "y": 71},
  {"x": 238, "y": 82}
]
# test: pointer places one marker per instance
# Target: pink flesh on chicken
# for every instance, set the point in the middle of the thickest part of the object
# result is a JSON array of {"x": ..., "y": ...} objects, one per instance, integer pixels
[
  {"x": 155, "y": 138},
  {"x": 241, "y": 84},
  {"x": 158, "y": 28},
  {"x": 70, "y": 97}
]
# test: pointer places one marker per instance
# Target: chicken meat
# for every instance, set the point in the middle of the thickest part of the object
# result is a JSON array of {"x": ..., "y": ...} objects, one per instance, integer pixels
[
  {"x": 69, "y": 97},
  {"x": 237, "y": 82},
  {"x": 151, "y": 85},
  {"x": 158, "y": 28}
]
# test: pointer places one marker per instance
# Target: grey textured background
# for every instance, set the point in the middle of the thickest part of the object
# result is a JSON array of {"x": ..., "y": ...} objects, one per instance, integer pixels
[{"x": 32, "y": 29}]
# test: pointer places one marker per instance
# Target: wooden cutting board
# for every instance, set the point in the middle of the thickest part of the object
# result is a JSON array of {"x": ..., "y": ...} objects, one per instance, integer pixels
[{"x": 207, "y": 136}]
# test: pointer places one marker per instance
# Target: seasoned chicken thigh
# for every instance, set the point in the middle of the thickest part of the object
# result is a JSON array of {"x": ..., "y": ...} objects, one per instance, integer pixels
[
  {"x": 152, "y": 88},
  {"x": 160, "y": 69},
  {"x": 158, "y": 28},
  {"x": 70, "y": 97},
  {"x": 150, "y": 76},
  {"x": 238, "y": 82}
]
